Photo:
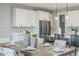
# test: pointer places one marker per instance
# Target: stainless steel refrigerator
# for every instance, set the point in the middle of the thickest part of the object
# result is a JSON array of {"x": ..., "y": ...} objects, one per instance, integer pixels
[{"x": 44, "y": 29}]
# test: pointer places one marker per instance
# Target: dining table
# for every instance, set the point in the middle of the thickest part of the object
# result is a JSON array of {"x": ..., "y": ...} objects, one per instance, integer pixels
[{"x": 39, "y": 51}]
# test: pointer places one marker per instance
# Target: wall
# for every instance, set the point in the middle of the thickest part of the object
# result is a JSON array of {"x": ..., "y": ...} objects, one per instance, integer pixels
[{"x": 73, "y": 20}]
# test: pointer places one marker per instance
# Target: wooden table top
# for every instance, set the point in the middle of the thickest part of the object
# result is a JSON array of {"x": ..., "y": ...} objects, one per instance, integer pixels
[{"x": 40, "y": 50}]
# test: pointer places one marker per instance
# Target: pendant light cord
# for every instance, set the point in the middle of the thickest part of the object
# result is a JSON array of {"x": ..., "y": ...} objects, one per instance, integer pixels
[
  {"x": 56, "y": 9},
  {"x": 67, "y": 8}
]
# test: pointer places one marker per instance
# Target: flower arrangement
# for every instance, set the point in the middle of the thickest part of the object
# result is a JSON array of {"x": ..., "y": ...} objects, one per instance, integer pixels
[
  {"x": 33, "y": 34},
  {"x": 27, "y": 32}
]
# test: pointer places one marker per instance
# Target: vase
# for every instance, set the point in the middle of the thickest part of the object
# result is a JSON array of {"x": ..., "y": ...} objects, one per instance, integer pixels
[
  {"x": 27, "y": 39},
  {"x": 34, "y": 42}
]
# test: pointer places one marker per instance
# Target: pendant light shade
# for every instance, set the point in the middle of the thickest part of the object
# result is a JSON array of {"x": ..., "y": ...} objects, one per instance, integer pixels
[
  {"x": 56, "y": 18},
  {"x": 67, "y": 17}
]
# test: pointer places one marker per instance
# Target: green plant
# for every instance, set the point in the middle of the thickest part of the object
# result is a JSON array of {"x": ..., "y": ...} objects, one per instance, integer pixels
[
  {"x": 24, "y": 52},
  {"x": 74, "y": 28},
  {"x": 34, "y": 35},
  {"x": 27, "y": 32}
]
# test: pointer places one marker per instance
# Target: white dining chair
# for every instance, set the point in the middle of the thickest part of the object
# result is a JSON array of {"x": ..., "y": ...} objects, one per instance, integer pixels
[
  {"x": 40, "y": 41},
  {"x": 7, "y": 51},
  {"x": 77, "y": 53},
  {"x": 59, "y": 46},
  {"x": 60, "y": 43},
  {"x": 14, "y": 38}
]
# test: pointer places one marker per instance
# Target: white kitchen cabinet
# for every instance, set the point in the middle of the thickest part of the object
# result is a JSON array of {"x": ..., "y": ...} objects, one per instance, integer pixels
[
  {"x": 31, "y": 18},
  {"x": 24, "y": 18},
  {"x": 19, "y": 17},
  {"x": 44, "y": 15}
]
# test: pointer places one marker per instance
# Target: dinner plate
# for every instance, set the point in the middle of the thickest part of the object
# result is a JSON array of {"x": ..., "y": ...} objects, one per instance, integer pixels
[
  {"x": 47, "y": 45},
  {"x": 12, "y": 44},
  {"x": 30, "y": 48},
  {"x": 58, "y": 50}
]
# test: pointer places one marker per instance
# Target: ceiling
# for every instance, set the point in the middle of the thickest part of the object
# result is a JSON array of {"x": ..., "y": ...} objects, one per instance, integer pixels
[{"x": 50, "y": 6}]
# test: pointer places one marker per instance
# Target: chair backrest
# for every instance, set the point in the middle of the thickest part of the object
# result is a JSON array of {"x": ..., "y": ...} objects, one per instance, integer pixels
[
  {"x": 77, "y": 53},
  {"x": 40, "y": 41},
  {"x": 8, "y": 51},
  {"x": 75, "y": 40},
  {"x": 58, "y": 36},
  {"x": 15, "y": 37},
  {"x": 60, "y": 43}
]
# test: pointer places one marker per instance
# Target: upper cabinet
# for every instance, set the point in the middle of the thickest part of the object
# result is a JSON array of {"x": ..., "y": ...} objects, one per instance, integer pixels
[
  {"x": 44, "y": 15},
  {"x": 28, "y": 18},
  {"x": 23, "y": 18},
  {"x": 19, "y": 17},
  {"x": 31, "y": 18}
]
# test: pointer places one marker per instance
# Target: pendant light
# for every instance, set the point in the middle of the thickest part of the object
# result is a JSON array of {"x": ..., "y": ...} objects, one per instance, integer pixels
[
  {"x": 56, "y": 18},
  {"x": 67, "y": 17}
]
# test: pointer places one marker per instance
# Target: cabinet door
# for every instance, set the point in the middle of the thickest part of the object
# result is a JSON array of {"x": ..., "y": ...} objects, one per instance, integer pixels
[
  {"x": 20, "y": 17},
  {"x": 41, "y": 15},
  {"x": 24, "y": 18},
  {"x": 30, "y": 18},
  {"x": 44, "y": 15},
  {"x": 33, "y": 18},
  {"x": 47, "y": 16}
]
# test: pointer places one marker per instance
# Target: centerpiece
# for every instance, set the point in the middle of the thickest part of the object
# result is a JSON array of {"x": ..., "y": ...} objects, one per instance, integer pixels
[
  {"x": 27, "y": 38},
  {"x": 34, "y": 40}
]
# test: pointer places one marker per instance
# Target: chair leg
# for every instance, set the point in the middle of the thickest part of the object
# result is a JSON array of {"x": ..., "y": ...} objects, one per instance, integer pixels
[
  {"x": 75, "y": 51},
  {"x": 17, "y": 53}
]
